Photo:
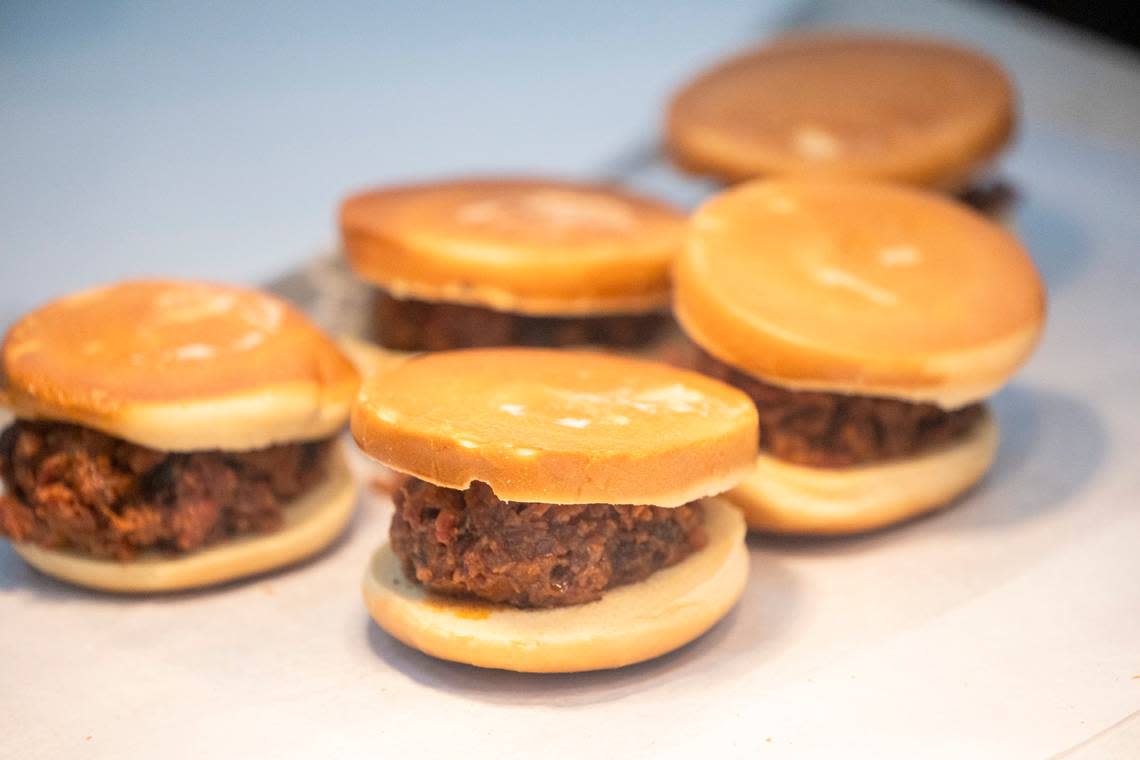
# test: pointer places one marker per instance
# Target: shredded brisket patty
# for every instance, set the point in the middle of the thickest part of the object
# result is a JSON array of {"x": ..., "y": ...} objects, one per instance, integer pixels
[
  {"x": 992, "y": 198},
  {"x": 838, "y": 430},
  {"x": 469, "y": 543},
  {"x": 68, "y": 486},
  {"x": 411, "y": 325}
]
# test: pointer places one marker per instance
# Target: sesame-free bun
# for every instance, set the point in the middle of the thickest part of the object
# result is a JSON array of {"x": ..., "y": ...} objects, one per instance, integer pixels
[
  {"x": 560, "y": 427},
  {"x": 841, "y": 105},
  {"x": 531, "y": 246},
  {"x": 179, "y": 366},
  {"x": 779, "y": 497},
  {"x": 629, "y": 624},
  {"x": 312, "y": 522},
  {"x": 860, "y": 288}
]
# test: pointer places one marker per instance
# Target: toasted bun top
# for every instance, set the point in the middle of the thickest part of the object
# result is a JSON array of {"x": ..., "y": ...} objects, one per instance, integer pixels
[
  {"x": 910, "y": 110},
  {"x": 858, "y": 287},
  {"x": 523, "y": 245},
  {"x": 560, "y": 427},
  {"x": 179, "y": 366}
]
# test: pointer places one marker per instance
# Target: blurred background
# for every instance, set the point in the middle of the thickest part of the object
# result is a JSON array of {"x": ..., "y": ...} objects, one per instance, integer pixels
[{"x": 215, "y": 139}]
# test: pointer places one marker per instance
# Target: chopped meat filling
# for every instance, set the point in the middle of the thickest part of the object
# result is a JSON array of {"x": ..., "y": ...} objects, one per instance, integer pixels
[
  {"x": 68, "y": 486},
  {"x": 821, "y": 429},
  {"x": 410, "y": 325},
  {"x": 469, "y": 543}
]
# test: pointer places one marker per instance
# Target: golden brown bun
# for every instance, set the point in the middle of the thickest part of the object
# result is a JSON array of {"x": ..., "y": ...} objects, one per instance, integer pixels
[
  {"x": 560, "y": 427},
  {"x": 311, "y": 523},
  {"x": 891, "y": 108},
  {"x": 179, "y": 366},
  {"x": 628, "y": 624},
  {"x": 785, "y": 498},
  {"x": 858, "y": 287},
  {"x": 530, "y": 246}
]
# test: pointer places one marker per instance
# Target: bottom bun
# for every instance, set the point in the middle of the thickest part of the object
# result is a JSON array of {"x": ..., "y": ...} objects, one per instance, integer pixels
[
  {"x": 311, "y": 523},
  {"x": 628, "y": 624},
  {"x": 779, "y": 497}
]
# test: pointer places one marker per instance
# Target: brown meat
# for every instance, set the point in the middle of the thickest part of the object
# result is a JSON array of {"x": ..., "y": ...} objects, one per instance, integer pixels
[
  {"x": 410, "y": 325},
  {"x": 68, "y": 486},
  {"x": 993, "y": 198},
  {"x": 469, "y": 543},
  {"x": 838, "y": 430}
]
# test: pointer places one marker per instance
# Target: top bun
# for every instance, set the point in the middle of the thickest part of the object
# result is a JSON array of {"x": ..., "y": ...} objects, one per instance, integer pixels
[
  {"x": 860, "y": 288},
  {"x": 876, "y": 107},
  {"x": 179, "y": 366},
  {"x": 560, "y": 427},
  {"x": 521, "y": 245}
]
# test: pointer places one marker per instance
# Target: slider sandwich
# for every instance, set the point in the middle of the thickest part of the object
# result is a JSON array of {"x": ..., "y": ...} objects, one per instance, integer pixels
[
  {"x": 869, "y": 323},
  {"x": 169, "y": 435},
  {"x": 917, "y": 111},
  {"x": 558, "y": 513},
  {"x": 498, "y": 262}
]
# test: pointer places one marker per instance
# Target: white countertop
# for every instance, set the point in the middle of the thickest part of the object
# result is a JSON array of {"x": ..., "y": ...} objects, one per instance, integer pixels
[{"x": 1008, "y": 626}]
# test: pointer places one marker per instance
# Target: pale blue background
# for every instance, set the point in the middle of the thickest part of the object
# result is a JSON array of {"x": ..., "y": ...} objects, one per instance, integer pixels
[{"x": 214, "y": 139}]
